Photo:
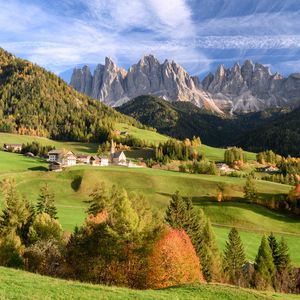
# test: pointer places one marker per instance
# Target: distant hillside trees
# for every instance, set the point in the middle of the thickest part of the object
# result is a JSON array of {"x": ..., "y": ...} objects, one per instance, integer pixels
[
  {"x": 234, "y": 156},
  {"x": 204, "y": 166},
  {"x": 250, "y": 192},
  {"x": 178, "y": 150},
  {"x": 36, "y": 149},
  {"x": 268, "y": 157},
  {"x": 291, "y": 179}
]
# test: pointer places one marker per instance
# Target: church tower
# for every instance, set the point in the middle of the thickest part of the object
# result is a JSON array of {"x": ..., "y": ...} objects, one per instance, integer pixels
[{"x": 112, "y": 148}]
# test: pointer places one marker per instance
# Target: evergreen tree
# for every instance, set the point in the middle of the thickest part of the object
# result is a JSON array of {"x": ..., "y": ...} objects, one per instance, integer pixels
[
  {"x": 45, "y": 202},
  {"x": 176, "y": 214},
  {"x": 274, "y": 248},
  {"x": 284, "y": 260},
  {"x": 250, "y": 192},
  {"x": 209, "y": 255},
  {"x": 16, "y": 211},
  {"x": 99, "y": 201},
  {"x": 265, "y": 268},
  {"x": 234, "y": 257},
  {"x": 182, "y": 214}
]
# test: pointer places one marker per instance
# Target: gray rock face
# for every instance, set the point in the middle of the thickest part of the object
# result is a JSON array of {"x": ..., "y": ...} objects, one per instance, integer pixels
[
  {"x": 240, "y": 89},
  {"x": 251, "y": 88},
  {"x": 114, "y": 86}
]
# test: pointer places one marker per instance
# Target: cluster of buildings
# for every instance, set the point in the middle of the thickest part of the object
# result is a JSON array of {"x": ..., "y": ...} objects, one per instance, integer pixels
[
  {"x": 13, "y": 147},
  {"x": 65, "y": 158}
]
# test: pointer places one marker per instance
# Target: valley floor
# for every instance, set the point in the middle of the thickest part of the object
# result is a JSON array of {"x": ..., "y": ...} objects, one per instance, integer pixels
[{"x": 73, "y": 186}]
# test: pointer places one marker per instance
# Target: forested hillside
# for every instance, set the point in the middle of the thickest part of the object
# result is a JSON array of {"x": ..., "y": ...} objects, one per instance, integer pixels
[
  {"x": 34, "y": 101},
  {"x": 281, "y": 134},
  {"x": 276, "y": 130}
]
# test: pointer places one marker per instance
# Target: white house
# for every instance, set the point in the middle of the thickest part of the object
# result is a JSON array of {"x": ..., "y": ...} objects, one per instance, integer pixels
[
  {"x": 64, "y": 157},
  {"x": 104, "y": 161},
  {"x": 12, "y": 147},
  {"x": 83, "y": 158}
]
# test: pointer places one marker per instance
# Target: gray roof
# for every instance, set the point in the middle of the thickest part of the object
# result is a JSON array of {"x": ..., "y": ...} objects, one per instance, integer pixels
[{"x": 117, "y": 154}]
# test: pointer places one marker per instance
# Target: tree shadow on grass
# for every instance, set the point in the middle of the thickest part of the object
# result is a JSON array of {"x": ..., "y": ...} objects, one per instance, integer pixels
[
  {"x": 238, "y": 202},
  {"x": 76, "y": 182},
  {"x": 38, "y": 168}
]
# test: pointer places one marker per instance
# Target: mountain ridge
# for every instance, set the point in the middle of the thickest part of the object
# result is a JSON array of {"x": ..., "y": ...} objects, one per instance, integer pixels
[{"x": 240, "y": 89}]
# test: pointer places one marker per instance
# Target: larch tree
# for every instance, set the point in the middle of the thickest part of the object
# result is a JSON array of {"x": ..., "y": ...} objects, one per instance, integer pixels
[{"x": 173, "y": 261}]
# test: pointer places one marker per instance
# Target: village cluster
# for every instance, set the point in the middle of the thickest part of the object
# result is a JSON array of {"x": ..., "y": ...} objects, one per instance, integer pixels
[{"x": 60, "y": 158}]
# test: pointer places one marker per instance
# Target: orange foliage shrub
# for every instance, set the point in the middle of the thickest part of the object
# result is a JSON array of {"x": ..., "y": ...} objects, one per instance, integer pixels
[
  {"x": 173, "y": 261},
  {"x": 101, "y": 217}
]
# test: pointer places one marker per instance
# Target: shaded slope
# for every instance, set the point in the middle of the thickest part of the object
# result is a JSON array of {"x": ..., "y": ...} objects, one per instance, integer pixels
[
  {"x": 38, "y": 102},
  {"x": 278, "y": 130}
]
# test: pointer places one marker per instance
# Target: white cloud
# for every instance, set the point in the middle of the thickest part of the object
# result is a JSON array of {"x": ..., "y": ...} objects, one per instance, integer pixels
[{"x": 48, "y": 34}]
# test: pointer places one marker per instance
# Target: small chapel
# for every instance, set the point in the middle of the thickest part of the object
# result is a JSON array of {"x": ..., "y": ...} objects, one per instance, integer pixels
[{"x": 117, "y": 157}]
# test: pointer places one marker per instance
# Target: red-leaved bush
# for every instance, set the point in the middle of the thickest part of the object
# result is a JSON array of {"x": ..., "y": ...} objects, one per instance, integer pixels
[{"x": 173, "y": 261}]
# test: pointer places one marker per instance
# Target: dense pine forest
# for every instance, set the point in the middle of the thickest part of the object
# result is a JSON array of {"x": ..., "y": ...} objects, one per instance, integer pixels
[{"x": 36, "y": 102}]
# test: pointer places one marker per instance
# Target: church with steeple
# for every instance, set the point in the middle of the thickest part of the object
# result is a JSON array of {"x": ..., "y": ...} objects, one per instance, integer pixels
[{"x": 116, "y": 157}]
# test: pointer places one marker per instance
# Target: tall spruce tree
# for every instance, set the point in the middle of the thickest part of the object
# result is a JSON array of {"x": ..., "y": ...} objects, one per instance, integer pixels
[
  {"x": 176, "y": 214},
  {"x": 274, "y": 248},
  {"x": 265, "y": 267},
  {"x": 209, "y": 255},
  {"x": 234, "y": 257},
  {"x": 181, "y": 213},
  {"x": 284, "y": 261},
  {"x": 45, "y": 202}
]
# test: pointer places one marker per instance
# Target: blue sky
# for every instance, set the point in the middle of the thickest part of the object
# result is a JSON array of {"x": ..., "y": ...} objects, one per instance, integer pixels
[{"x": 199, "y": 34}]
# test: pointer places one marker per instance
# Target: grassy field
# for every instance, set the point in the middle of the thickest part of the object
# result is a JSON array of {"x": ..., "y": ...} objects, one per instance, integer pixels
[
  {"x": 146, "y": 135},
  {"x": 73, "y": 186},
  {"x": 77, "y": 147},
  {"x": 22, "y": 285},
  {"x": 216, "y": 154}
]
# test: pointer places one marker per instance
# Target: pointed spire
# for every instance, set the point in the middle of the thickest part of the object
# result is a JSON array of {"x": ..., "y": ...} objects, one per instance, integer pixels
[{"x": 112, "y": 148}]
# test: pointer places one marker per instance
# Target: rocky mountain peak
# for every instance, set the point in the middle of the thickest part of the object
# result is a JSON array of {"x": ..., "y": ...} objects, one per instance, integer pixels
[
  {"x": 236, "y": 68},
  {"x": 242, "y": 88}
]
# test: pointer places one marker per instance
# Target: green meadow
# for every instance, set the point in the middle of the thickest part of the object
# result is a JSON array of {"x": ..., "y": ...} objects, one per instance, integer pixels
[
  {"x": 216, "y": 154},
  {"x": 16, "y": 284},
  {"x": 73, "y": 185}
]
